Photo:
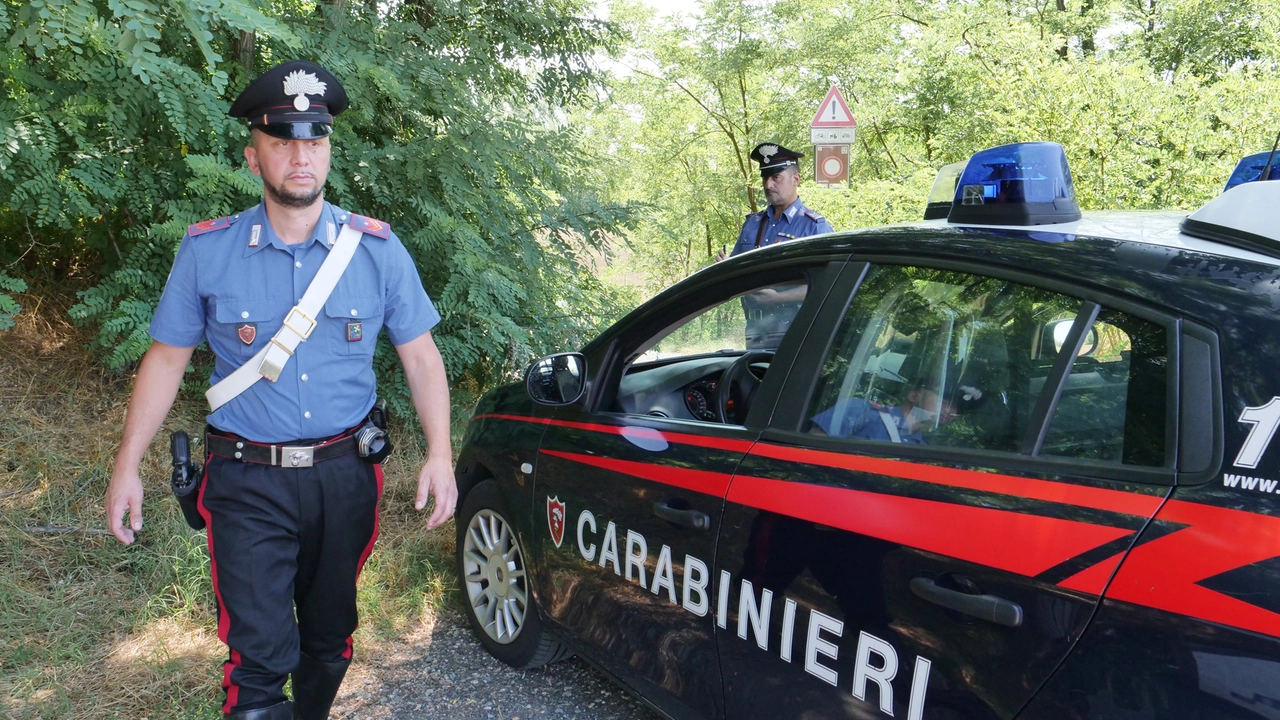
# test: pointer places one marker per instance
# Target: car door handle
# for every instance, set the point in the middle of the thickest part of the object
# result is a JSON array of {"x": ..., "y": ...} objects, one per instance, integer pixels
[
  {"x": 986, "y": 607},
  {"x": 687, "y": 518}
]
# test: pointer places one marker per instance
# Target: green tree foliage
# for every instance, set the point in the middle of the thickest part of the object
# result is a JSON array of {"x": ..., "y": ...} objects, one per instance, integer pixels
[
  {"x": 8, "y": 306},
  {"x": 115, "y": 138},
  {"x": 1155, "y": 100}
]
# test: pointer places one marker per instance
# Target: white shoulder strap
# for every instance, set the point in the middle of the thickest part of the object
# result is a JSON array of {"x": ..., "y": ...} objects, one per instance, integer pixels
[
  {"x": 269, "y": 362},
  {"x": 890, "y": 425}
]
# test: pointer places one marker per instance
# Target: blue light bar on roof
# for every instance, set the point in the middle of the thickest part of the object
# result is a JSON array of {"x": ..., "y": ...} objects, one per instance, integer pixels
[
  {"x": 1250, "y": 169},
  {"x": 1019, "y": 184}
]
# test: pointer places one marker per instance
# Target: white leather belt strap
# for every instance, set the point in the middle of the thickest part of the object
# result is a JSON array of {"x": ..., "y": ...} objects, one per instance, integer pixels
[
  {"x": 298, "y": 325},
  {"x": 890, "y": 426}
]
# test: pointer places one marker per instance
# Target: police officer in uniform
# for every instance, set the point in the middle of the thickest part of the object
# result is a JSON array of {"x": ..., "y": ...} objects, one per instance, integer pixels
[
  {"x": 769, "y": 311},
  {"x": 288, "y": 497},
  {"x": 786, "y": 218}
]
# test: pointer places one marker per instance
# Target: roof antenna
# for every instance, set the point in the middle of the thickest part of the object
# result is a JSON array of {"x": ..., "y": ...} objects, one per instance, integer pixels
[{"x": 1266, "y": 169}]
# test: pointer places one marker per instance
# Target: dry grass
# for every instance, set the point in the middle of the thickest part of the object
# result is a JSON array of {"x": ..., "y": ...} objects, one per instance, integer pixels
[{"x": 91, "y": 629}]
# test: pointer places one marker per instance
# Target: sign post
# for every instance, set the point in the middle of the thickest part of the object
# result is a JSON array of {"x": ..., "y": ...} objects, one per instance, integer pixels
[{"x": 832, "y": 132}]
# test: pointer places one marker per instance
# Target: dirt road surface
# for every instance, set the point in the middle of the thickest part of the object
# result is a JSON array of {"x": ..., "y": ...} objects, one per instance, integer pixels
[{"x": 443, "y": 673}]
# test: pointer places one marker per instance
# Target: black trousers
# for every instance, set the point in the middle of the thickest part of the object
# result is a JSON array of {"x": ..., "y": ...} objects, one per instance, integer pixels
[{"x": 287, "y": 545}]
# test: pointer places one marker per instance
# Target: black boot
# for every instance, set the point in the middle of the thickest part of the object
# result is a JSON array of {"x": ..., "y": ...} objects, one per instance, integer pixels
[
  {"x": 315, "y": 685},
  {"x": 279, "y": 711}
]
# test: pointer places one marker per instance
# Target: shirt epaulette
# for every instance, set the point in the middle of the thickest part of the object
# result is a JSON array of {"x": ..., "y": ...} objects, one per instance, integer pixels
[
  {"x": 813, "y": 216},
  {"x": 207, "y": 226},
  {"x": 369, "y": 226}
]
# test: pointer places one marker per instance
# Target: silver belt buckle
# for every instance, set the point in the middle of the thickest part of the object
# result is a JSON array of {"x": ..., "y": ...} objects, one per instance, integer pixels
[{"x": 297, "y": 456}]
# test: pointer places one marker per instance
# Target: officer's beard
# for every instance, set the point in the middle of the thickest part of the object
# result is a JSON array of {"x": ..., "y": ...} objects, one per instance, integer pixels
[{"x": 292, "y": 200}]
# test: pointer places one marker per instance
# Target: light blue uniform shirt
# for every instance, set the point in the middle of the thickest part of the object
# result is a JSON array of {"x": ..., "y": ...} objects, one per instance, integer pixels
[
  {"x": 797, "y": 221},
  {"x": 863, "y": 420},
  {"x": 220, "y": 284}
]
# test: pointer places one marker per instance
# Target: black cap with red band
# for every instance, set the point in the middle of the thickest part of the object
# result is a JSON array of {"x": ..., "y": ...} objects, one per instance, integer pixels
[{"x": 295, "y": 100}]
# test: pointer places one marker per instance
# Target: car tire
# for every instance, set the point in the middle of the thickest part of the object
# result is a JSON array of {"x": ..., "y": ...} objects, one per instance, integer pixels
[{"x": 495, "y": 584}]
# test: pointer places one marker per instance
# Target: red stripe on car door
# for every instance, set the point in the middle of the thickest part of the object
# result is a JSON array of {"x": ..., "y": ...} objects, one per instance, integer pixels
[{"x": 1012, "y": 541}]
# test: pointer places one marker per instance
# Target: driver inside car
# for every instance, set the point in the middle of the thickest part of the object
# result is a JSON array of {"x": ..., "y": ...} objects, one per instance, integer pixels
[{"x": 923, "y": 409}]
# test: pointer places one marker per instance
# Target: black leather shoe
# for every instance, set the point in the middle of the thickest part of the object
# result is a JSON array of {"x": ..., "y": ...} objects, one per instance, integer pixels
[
  {"x": 315, "y": 685},
  {"x": 279, "y": 711}
]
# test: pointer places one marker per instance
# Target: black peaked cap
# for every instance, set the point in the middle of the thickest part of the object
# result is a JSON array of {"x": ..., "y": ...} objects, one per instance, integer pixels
[
  {"x": 295, "y": 100},
  {"x": 774, "y": 158}
]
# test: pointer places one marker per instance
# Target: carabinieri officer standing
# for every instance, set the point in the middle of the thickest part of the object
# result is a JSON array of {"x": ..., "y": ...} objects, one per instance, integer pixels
[
  {"x": 289, "y": 499},
  {"x": 786, "y": 218},
  {"x": 769, "y": 312}
]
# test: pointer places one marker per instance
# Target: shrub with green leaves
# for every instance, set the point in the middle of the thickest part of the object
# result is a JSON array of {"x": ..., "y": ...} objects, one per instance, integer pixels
[
  {"x": 114, "y": 137},
  {"x": 8, "y": 306}
]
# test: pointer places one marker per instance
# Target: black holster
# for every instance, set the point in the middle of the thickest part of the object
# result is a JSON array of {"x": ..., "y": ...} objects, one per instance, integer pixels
[{"x": 185, "y": 480}]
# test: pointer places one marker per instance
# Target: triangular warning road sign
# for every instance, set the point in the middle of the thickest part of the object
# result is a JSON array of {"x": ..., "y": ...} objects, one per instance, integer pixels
[{"x": 833, "y": 112}]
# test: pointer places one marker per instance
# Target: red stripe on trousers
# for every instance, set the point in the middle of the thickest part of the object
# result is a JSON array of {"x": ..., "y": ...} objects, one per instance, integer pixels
[
  {"x": 224, "y": 619},
  {"x": 368, "y": 550}
]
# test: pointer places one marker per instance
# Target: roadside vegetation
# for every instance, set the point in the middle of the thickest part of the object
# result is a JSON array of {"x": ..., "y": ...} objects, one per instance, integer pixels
[
  {"x": 1154, "y": 100},
  {"x": 546, "y": 169},
  {"x": 90, "y": 629}
]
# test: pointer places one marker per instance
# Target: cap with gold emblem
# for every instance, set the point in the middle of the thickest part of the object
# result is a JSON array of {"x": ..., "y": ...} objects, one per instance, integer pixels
[
  {"x": 295, "y": 100},
  {"x": 774, "y": 158}
]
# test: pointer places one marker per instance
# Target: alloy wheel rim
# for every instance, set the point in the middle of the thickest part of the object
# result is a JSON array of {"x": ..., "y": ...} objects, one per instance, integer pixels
[{"x": 494, "y": 575}]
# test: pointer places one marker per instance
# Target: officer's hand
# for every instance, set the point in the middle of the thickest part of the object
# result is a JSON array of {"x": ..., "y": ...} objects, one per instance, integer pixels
[
  {"x": 720, "y": 255},
  {"x": 436, "y": 479},
  {"x": 124, "y": 493}
]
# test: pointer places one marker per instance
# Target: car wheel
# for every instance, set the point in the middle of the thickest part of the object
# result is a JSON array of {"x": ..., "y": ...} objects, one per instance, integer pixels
[{"x": 495, "y": 584}]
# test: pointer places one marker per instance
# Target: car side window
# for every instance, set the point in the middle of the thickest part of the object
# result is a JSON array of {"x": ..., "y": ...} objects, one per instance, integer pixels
[
  {"x": 1113, "y": 404},
  {"x": 950, "y": 359},
  {"x": 754, "y": 320},
  {"x": 676, "y": 371}
]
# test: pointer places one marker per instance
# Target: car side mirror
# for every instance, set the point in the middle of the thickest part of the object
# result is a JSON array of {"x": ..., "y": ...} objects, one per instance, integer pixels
[{"x": 558, "y": 379}]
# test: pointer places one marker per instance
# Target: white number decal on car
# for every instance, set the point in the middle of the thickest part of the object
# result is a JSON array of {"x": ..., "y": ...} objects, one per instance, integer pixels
[{"x": 1265, "y": 419}]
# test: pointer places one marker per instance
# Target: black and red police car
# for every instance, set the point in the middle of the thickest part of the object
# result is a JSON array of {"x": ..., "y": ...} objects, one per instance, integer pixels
[{"x": 1014, "y": 463}]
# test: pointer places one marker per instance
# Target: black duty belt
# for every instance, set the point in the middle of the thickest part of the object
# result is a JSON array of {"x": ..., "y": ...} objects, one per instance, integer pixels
[{"x": 237, "y": 448}]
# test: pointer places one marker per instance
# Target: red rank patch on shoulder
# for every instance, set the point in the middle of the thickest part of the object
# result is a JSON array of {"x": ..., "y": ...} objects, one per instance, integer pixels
[
  {"x": 370, "y": 226},
  {"x": 205, "y": 226}
]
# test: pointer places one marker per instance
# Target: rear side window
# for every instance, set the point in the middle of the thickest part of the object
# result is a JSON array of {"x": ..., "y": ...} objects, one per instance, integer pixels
[
  {"x": 1112, "y": 406},
  {"x": 951, "y": 359}
]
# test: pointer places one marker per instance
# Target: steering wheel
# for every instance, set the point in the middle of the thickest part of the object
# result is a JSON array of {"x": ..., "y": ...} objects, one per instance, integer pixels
[{"x": 739, "y": 373}]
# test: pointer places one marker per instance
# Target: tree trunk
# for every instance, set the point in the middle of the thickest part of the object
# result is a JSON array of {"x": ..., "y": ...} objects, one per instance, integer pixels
[
  {"x": 1088, "y": 45},
  {"x": 244, "y": 50},
  {"x": 1062, "y": 51}
]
